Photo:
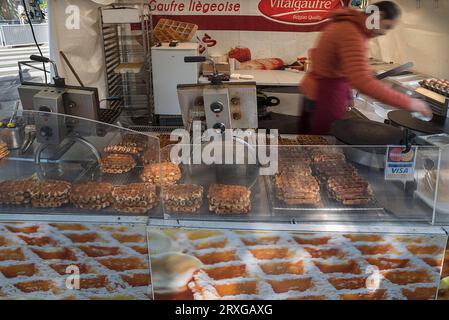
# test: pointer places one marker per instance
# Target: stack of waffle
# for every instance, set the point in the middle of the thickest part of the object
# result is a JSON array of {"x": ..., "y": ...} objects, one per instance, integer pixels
[
  {"x": 4, "y": 152},
  {"x": 91, "y": 195},
  {"x": 350, "y": 190},
  {"x": 183, "y": 198},
  {"x": 117, "y": 163},
  {"x": 16, "y": 192},
  {"x": 135, "y": 198},
  {"x": 163, "y": 174},
  {"x": 50, "y": 194},
  {"x": 286, "y": 265},
  {"x": 229, "y": 199},
  {"x": 35, "y": 260},
  {"x": 297, "y": 188}
]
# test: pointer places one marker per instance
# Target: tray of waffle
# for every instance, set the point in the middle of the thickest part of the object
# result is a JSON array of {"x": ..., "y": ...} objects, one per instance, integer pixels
[
  {"x": 165, "y": 173},
  {"x": 183, "y": 198},
  {"x": 16, "y": 192},
  {"x": 91, "y": 195},
  {"x": 135, "y": 198},
  {"x": 291, "y": 265},
  {"x": 116, "y": 163},
  {"x": 50, "y": 193},
  {"x": 309, "y": 140},
  {"x": 350, "y": 190},
  {"x": 4, "y": 151},
  {"x": 37, "y": 259},
  {"x": 229, "y": 199},
  {"x": 297, "y": 190},
  {"x": 167, "y": 30}
]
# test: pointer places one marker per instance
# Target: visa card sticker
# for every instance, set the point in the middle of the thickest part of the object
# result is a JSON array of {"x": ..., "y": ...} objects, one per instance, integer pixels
[{"x": 400, "y": 166}]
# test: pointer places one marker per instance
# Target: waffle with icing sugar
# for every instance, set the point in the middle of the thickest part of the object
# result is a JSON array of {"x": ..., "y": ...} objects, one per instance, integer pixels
[
  {"x": 91, "y": 195},
  {"x": 137, "y": 198},
  {"x": 16, "y": 192},
  {"x": 4, "y": 151},
  {"x": 183, "y": 198},
  {"x": 229, "y": 199},
  {"x": 165, "y": 173},
  {"x": 117, "y": 163},
  {"x": 50, "y": 193},
  {"x": 288, "y": 265},
  {"x": 112, "y": 260}
]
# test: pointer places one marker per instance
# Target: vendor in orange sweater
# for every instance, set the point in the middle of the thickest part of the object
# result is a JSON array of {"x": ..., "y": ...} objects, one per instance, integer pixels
[{"x": 340, "y": 63}]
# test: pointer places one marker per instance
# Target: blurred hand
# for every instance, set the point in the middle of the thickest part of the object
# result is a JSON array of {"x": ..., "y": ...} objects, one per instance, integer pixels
[{"x": 421, "y": 107}]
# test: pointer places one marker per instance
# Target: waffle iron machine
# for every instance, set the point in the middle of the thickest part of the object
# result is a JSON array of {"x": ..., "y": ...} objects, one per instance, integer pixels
[
  {"x": 55, "y": 135},
  {"x": 222, "y": 107}
]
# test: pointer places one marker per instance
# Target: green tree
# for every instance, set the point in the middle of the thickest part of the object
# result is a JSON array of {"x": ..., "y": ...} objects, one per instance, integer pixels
[{"x": 7, "y": 10}]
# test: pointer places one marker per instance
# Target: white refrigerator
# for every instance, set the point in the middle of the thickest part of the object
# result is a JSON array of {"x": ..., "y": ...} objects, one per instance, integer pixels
[{"x": 169, "y": 70}]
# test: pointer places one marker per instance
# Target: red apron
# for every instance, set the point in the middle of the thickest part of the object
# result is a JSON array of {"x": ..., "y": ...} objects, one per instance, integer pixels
[{"x": 333, "y": 97}]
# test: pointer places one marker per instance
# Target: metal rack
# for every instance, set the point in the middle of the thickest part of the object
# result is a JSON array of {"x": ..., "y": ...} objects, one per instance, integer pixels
[{"x": 126, "y": 44}]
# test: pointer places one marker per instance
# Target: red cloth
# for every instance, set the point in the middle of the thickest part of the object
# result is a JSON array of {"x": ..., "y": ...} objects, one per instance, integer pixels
[{"x": 331, "y": 105}]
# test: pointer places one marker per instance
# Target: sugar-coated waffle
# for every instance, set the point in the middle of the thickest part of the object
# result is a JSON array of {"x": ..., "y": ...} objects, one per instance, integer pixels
[
  {"x": 4, "y": 151},
  {"x": 309, "y": 140},
  {"x": 112, "y": 261},
  {"x": 137, "y": 198},
  {"x": 16, "y": 192},
  {"x": 165, "y": 173},
  {"x": 116, "y": 163},
  {"x": 229, "y": 199},
  {"x": 50, "y": 193},
  {"x": 183, "y": 198},
  {"x": 289, "y": 265},
  {"x": 167, "y": 30}
]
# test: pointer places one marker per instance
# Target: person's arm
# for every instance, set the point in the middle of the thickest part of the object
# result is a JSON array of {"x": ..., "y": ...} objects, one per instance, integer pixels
[{"x": 353, "y": 57}]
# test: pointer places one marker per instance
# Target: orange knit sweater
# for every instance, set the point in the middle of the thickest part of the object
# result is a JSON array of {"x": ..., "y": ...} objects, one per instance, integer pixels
[{"x": 342, "y": 51}]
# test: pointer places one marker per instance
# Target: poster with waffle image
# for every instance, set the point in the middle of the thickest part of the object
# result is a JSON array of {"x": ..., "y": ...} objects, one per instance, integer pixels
[
  {"x": 39, "y": 261},
  {"x": 268, "y": 265}
]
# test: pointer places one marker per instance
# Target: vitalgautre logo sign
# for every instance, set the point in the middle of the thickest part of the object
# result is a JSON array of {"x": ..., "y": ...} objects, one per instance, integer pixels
[{"x": 299, "y": 12}]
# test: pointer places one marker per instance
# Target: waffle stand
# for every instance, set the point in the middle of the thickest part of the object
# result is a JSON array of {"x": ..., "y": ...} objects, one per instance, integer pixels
[{"x": 313, "y": 231}]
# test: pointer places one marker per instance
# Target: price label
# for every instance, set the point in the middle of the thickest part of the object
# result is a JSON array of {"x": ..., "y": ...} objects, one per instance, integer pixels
[{"x": 400, "y": 165}]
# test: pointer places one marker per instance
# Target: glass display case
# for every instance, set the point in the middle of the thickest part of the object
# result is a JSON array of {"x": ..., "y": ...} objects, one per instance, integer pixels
[
  {"x": 318, "y": 184},
  {"x": 282, "y": 222}
]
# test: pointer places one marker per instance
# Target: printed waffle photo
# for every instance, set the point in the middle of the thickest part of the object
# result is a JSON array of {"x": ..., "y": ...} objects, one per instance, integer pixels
[{"x": 256, "y": 155}]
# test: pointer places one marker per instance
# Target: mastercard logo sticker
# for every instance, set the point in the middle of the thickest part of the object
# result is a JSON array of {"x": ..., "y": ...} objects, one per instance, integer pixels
[{"x": 396, "y": 155}]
